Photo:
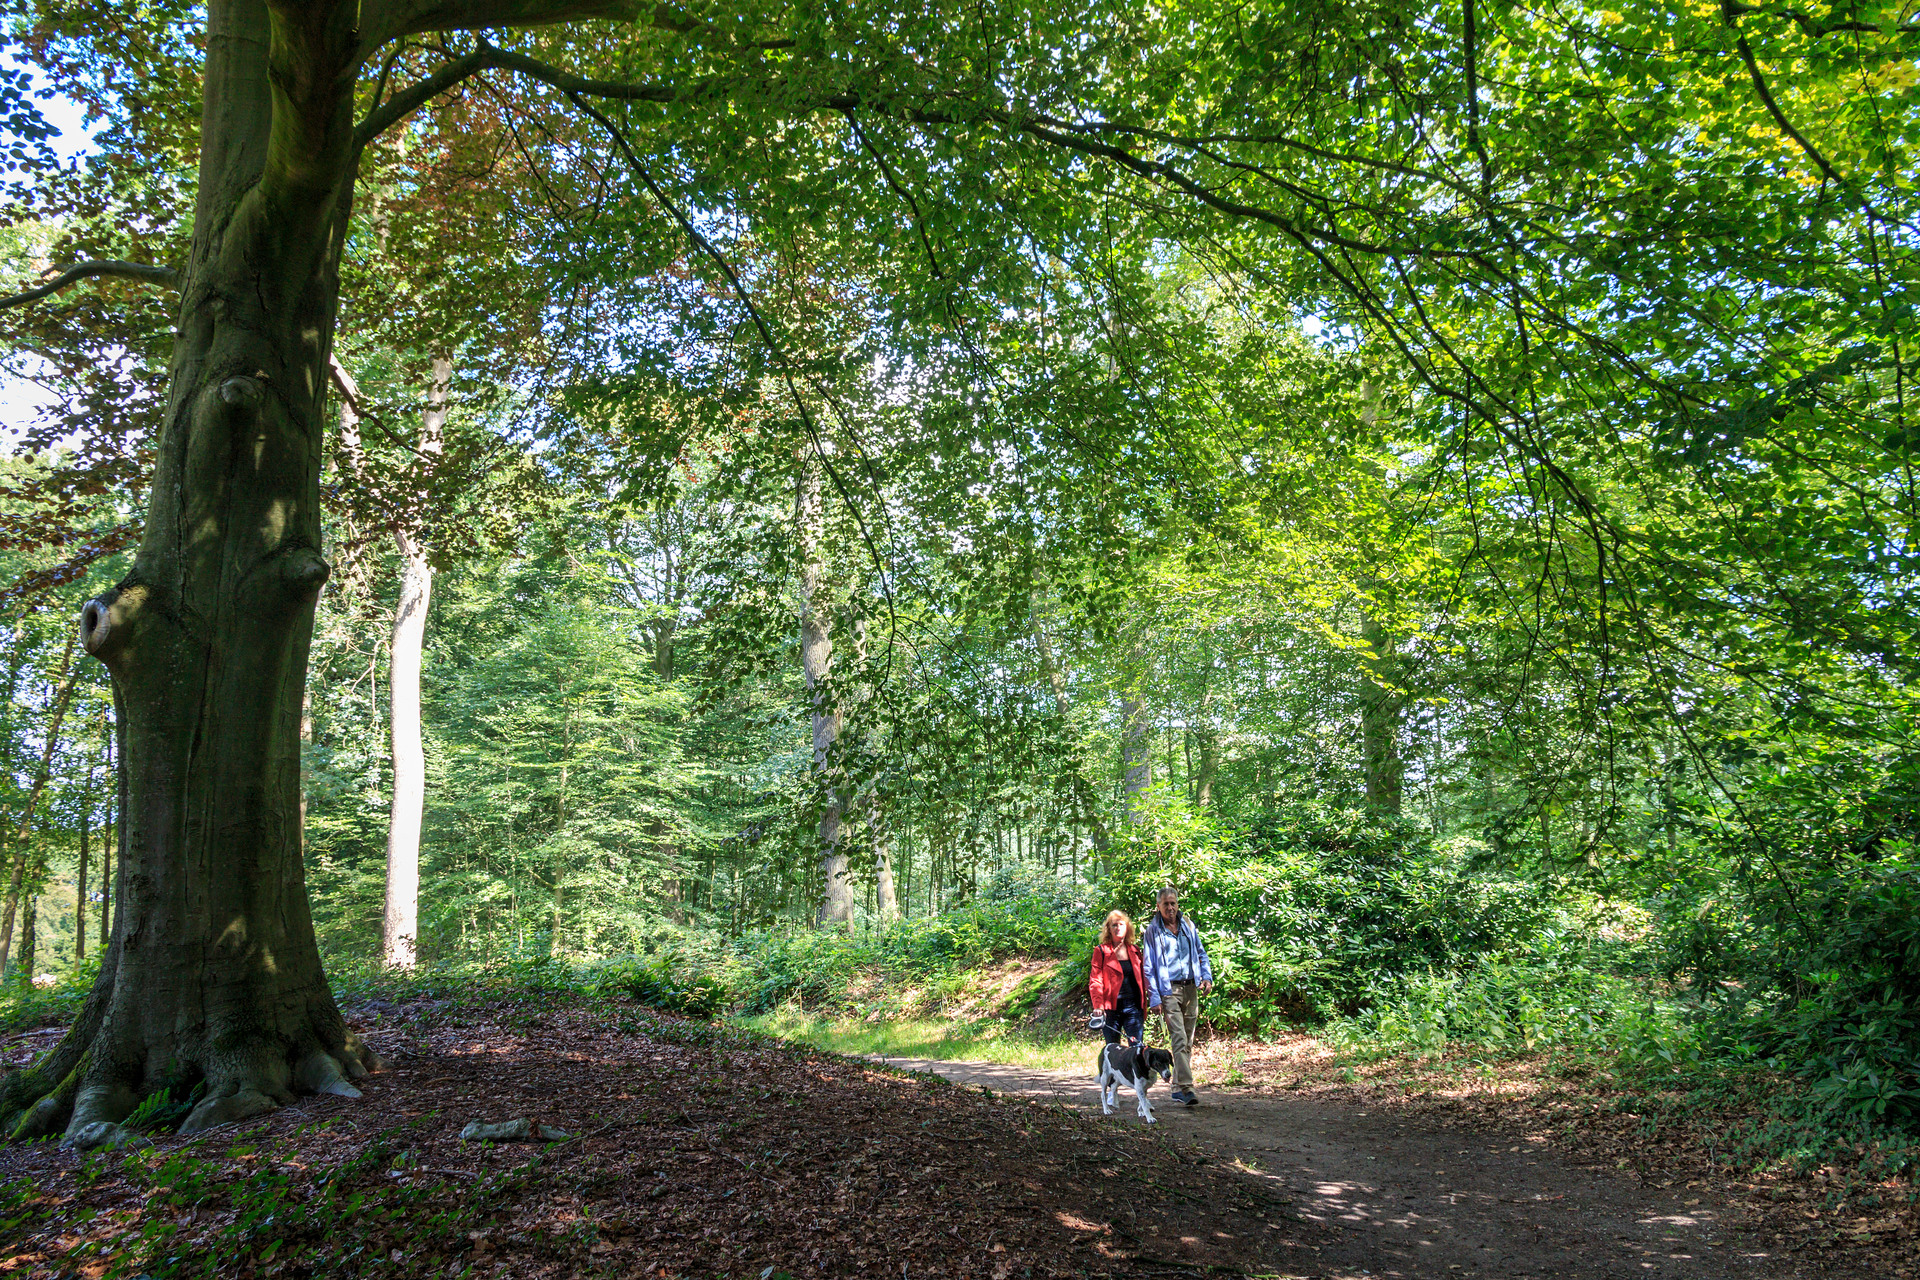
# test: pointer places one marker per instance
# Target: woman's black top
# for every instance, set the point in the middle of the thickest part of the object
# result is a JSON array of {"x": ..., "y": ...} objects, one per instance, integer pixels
[{"x": 1129, "y": 989}]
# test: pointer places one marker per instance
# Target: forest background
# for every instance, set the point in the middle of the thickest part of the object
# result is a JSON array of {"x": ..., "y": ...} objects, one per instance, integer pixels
[{"x": 1459, "y": 530}]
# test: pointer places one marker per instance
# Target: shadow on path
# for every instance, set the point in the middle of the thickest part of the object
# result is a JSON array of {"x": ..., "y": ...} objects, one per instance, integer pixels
[{"x": 1403, "y": 1199}]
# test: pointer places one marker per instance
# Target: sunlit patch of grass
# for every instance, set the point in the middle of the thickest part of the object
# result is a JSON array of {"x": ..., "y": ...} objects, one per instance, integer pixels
[{"x": 987, "y": 1041}]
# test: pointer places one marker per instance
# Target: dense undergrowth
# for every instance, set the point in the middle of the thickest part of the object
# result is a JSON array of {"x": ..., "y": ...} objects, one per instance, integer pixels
[{"x": 1362, "y": 930}]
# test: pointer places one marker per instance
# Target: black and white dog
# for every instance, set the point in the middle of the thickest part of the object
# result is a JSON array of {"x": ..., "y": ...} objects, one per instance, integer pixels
[{"x": 1132, "y": 1065}]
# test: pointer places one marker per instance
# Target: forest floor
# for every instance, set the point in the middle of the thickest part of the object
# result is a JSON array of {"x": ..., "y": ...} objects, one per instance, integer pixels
[
  {"x": 699, "y": 1150},
  {"x": 694, "y": 1150},
  {"x": 1428, "y": 1171}
]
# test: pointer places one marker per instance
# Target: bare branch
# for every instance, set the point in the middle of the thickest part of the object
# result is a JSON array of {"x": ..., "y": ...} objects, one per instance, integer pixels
[{"x": 84, "y": 270}]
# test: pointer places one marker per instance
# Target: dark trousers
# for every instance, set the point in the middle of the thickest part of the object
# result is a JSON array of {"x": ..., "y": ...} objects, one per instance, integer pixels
[{"x": 1131, "y": 1021}]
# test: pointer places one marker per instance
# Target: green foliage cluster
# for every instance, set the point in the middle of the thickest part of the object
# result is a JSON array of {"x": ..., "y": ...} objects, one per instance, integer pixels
[
  {"x": 1787, "y": 945},
  {"x": 344, "y": 1221},
  {"x": 663, "y": 982},
  {"x": 25, "y": 1005},
  {"x": 1309, "y": 908},
  {"x": 1539, "y": 1000},
  {"x": 1796, "y": 935}
]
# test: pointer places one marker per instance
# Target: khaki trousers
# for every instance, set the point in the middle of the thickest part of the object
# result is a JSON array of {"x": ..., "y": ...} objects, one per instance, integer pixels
[{"x": 1181, "y": 1009}]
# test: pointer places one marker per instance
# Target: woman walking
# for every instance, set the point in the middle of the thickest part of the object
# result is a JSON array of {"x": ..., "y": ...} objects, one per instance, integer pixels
[{"x": 1117, "y": 981}]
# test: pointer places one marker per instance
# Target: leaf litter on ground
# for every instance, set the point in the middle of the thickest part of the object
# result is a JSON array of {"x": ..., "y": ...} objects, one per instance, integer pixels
[
  {"x": 1847, "y": 1209},
  {"x": 701, "y": 1151}
]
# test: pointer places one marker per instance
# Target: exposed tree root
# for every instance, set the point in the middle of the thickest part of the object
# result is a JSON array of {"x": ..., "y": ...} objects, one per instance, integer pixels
[
  {"x": 39, "y": 1100},
  {"x": 96, "y": 1076}
]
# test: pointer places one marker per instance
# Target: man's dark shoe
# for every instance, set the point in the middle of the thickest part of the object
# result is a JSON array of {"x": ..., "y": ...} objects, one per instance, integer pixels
[{"x": 1186, "y": 1096}]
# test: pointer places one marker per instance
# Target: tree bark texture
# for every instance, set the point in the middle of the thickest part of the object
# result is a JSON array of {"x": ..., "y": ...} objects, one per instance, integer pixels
[
  {"x": 1381, "y": 707},
  {"x": 22, "y": 844},
  {"x": 212, "y": 975},
  {"x": 401, "y": 927},
  {"x": 816, "y": 660}
]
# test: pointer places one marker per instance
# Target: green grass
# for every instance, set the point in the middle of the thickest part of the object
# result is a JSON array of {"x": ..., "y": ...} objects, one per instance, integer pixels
[{"x": 924, "y": 1038}]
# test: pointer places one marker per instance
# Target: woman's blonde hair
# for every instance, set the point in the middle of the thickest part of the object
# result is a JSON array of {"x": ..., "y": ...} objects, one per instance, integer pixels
[{"x": 1106, "y": 930}]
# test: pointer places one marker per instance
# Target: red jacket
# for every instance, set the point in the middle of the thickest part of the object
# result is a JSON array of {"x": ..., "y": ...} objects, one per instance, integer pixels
[{"x": 1103, "y": 983}]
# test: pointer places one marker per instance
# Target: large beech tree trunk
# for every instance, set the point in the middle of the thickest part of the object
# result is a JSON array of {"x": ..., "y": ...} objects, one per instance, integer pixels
[
  {"x": 401, "y": 928},
  {"x": 210, "y": 974}
]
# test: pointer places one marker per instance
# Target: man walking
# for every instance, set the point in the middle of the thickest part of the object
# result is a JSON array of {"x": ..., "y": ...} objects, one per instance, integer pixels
[{"x": 1177, "y": 976}]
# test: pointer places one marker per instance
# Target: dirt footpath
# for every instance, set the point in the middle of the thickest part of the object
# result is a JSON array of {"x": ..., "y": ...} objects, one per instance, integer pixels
[{"x": 1400, "y": 1199}]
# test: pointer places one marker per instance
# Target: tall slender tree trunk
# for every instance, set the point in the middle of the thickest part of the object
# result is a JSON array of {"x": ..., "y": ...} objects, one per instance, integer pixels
[
  {"x": 886, "y": 903},
  {"x": 1381, "y": 707},
  {"x": 883, "y": 861},
  {"x": 816, "y": 660},
  {"x": 401, "y": 928},
  {"x": 23, "y": 833},
  {"x": 1207, "y": 768},
  {"x": 80, "y": 879},
  {"x": 1136, "y": 743},
  {"x": 1085, "y": 804},
  {"x": 30, "y": 934}
]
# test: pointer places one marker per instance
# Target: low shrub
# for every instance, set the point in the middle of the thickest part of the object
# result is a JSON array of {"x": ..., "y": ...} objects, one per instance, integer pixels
[
  {"x": 809, "y": 968},
  {"x": 1022, "y": 910},
  {"x": 1523, "y": 1003},
  {"x": 24, "y": 1006},
  {"x": 665, "y": 982},
  {"x": 1796, "y": 934},
  {"x": 1314, "y": 911},
  {"x": 1018, "y": 911}
]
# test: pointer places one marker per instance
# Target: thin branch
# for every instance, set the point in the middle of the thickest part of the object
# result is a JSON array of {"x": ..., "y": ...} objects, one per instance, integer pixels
[
  {"x": 774, "y": 346},
  {"x": 1815, "y": 29},
  {"x": 1800, "y": 140},
  {"x": 85, "y": 270}
]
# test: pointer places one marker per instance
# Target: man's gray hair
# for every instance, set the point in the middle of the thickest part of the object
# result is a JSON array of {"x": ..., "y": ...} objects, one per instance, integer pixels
[{"x": 1164, "y": 891}]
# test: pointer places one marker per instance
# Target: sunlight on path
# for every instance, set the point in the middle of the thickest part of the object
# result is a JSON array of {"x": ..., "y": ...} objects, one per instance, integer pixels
[{"x": 1402, "y": 1200}]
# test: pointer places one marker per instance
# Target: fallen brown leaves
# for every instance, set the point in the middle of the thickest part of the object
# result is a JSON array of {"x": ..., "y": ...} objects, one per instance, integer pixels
[{"x": 700, "y": 1152}]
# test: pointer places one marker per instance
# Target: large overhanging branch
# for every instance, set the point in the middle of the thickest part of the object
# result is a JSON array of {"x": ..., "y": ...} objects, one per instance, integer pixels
[
  {"x": 86, "y": 270},
  {"x": 489, "y": 58}
]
